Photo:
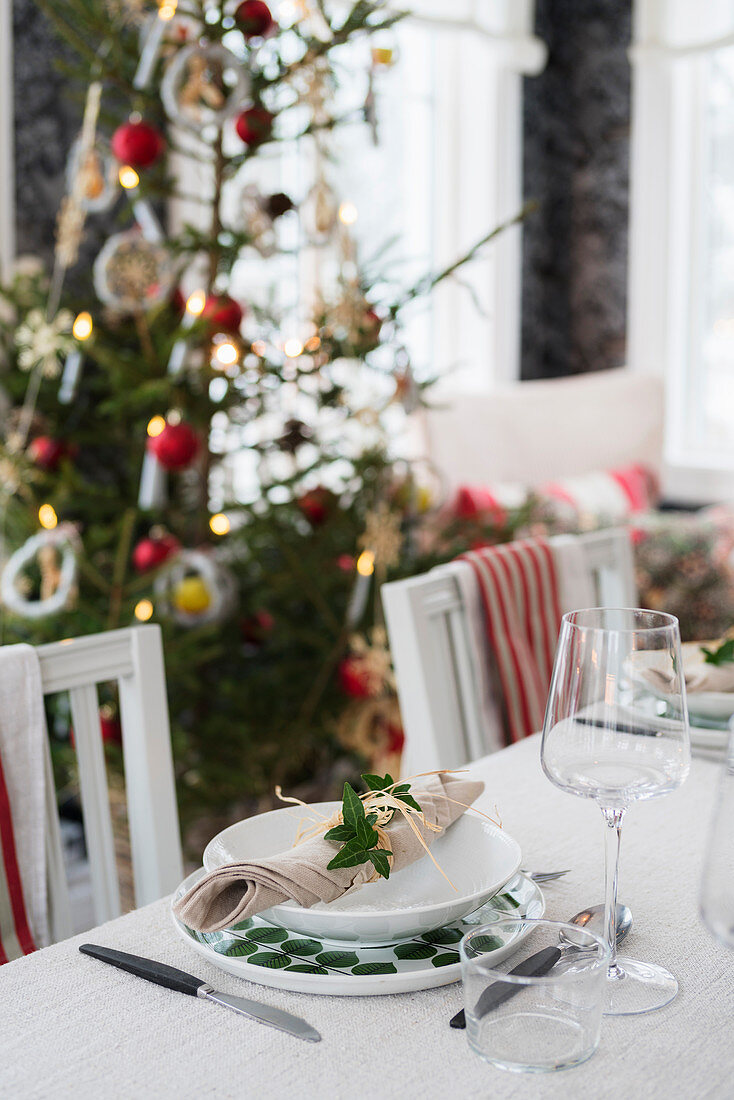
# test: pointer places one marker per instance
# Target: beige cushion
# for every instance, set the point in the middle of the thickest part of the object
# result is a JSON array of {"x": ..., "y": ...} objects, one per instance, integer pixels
[{"x": 534, "y": 432}]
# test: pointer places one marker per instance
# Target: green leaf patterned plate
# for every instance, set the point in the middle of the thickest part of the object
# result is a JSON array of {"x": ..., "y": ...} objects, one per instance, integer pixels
[{"x": 270, "y": 955}]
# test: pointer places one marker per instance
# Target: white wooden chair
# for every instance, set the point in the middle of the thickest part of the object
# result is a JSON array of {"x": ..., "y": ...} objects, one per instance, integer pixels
[
  {"x": 435, "y": 659},
  {"x": 134, "y": 658}
]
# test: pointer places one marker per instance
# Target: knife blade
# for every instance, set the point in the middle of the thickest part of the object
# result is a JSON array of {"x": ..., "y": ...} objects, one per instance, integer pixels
[
  {"x": 161, "y": 974},
  {"x": 496, "y": 994}
]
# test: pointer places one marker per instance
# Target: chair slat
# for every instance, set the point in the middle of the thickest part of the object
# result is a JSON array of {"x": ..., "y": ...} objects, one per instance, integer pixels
[
  {"x": 59, "y": 904},
  {"x": 95, "y": 801},
  {"x": 151, "y": 794}
]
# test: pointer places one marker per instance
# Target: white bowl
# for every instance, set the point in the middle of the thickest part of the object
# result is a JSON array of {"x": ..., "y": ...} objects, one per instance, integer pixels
[{"x": 477, "y": 856}]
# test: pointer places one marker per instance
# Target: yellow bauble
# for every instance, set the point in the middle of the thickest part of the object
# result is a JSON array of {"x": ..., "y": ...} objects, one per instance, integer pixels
[
  {"x": 192, "y": 596},
  {"x": 425, "y": 499}
]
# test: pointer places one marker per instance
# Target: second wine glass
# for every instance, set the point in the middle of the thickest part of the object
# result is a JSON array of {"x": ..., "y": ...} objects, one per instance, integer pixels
[{"x": 616, "y": 731}]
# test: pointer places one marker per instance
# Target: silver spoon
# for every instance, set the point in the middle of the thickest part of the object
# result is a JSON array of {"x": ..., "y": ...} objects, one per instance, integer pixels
[{"x": 591, "y": 918}]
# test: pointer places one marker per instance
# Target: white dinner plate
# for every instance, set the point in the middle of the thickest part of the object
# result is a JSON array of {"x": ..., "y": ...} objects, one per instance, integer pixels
[
  {"x": 270, "y": 955},
  {"x": 477, "y": 856}
]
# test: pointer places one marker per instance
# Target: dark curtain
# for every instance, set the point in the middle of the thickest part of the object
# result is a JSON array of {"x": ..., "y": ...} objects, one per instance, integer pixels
[{"x": 576, "y": 164}]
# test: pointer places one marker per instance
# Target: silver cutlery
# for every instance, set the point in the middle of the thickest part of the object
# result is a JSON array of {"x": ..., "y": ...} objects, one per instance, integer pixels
[
  {"x": 544, "y": 876},
  {"x": 178, "y": 980}
]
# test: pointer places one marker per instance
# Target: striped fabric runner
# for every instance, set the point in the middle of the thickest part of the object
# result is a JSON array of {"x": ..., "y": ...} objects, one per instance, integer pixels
[
  {"x": 15, "y": 933},
  {"x": 519, "y": 591}
]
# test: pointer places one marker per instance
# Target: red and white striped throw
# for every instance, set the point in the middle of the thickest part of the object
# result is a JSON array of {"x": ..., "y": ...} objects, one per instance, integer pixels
[
  {"x": 23, "y": 897},
  {"x": 16, "y": 938},
  {"x": 519, "y": 589}
]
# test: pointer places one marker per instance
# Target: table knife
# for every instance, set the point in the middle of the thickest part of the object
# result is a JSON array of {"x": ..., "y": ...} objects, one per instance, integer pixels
[
  {"x": 168, "y": 976},
  {"x": 496, "y": 994}
]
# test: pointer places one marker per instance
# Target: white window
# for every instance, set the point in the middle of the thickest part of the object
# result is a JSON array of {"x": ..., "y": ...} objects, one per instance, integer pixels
[
  {"x": 681, "y": 295},
  {"x": 445, "y": 169}
]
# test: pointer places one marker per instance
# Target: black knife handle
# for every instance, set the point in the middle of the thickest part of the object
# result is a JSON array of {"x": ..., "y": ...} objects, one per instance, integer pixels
[
  {"x": 496, "y": 994},
  {"x": 152, "y": 971}
]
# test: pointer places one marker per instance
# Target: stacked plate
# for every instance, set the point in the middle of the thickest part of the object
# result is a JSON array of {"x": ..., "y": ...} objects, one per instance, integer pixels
[{"x": 389, "y": 937}]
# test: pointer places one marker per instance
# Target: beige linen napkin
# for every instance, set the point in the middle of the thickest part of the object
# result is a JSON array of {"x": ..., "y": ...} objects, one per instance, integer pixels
[
  {"x": 698, "y": 673},
  {"x": 239, "y": 890}
]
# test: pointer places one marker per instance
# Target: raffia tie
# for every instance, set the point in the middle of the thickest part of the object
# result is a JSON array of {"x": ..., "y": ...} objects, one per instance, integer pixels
[{"x": 384, "y": 805}]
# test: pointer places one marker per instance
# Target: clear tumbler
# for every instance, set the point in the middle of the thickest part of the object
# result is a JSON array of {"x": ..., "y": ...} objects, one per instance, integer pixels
[{"x": 537, "y": 1007}]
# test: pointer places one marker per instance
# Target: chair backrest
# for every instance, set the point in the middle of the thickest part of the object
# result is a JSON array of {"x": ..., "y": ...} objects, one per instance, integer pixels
[
  {"x": 435, "y": 659},
  {"x": 132, "y": 657}
]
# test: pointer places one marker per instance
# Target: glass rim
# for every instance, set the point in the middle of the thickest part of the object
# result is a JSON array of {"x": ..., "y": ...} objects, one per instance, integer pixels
[
  {"x": 604, "y": 955},
  {"x": 671, "y": 621}
]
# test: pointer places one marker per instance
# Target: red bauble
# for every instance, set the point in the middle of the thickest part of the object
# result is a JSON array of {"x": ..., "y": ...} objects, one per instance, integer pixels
[
  {"x": 151, "y": 552},
  {"x": 316, "y": 505},
  {"x": 111, "y": 730},
  {"x": 138, "y": 144},
  {"x": 177, "y": 303},
  {"x": 254, "y": 125},
  {"x": 346, "y": 563},
  {"x": 222, "y": 313},
  {"x": 395, "y": 738},
  {"x": 354, "y": 678},
  {"x": 46, "y": 453},
  {"x": 254, "y": 19},
  {"x": 255, "y": 628},
  {"x": 175, "y": 447}
]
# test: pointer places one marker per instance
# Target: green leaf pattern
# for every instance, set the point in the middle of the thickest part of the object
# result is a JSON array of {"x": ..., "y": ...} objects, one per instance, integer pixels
[{"x": 306, "y": 955}]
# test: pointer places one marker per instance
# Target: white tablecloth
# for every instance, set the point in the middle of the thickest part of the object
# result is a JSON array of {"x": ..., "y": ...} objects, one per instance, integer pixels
[{"x": 73, "y": 1027}]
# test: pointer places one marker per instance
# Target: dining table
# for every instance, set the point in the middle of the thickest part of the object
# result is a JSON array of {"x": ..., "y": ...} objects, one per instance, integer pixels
[{"x": 71, "y": 1026}]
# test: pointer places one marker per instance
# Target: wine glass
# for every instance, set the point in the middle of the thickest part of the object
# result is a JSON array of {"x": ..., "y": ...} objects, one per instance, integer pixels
[
  {"x": 604, "y": 737},
  {"x": 717, "y": 888}
]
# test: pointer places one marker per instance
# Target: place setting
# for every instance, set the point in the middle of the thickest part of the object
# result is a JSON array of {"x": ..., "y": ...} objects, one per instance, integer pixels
[
  {"x": 412, "y": 884},
  {"x": 378, "y": 935}
]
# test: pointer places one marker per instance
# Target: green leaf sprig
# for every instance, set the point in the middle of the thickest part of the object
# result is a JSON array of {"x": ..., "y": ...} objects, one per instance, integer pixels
[
  {"x": 357, "y": 835},
  {"x": 724, "y": 655}
]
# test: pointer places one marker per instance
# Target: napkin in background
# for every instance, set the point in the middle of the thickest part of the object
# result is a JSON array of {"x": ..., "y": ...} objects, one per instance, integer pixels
[
  {"x": 239, "y": 890},
  {"x": 699, "y": 674}
]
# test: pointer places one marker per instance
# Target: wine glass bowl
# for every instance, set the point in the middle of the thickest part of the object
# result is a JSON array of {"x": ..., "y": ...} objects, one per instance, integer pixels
[{"x": 608, "y": 736}]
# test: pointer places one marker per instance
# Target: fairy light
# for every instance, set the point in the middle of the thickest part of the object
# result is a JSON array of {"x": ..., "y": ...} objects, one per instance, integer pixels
[
  {"x": 195, "y": 303},
  {"x": 219, "y": 524},
  {"x": 258, "y": 347},
  {"x": 226, "y": 354},
  {"x": 313, "y": 343},
  {"x": 382, "y": 55},
  {"x": 82, "y": 327},
  {"x": 143, "y": 610},
  {"x": 47, "y": 517},
  {"x": 156, "y": 424},
  {"x": 128, "y": 177},
  {"x": 293, "y": 347},
  {"x": 167, "y": 10},
  {"x": 366, "y": 563},
  {"x": 347, "y": 213}
]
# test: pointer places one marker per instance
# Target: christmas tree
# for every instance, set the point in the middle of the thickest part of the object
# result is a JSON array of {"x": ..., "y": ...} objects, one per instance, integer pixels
[{"x": 200, "y": 457}]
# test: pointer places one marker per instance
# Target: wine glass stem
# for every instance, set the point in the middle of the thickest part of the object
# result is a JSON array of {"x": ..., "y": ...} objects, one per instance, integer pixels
[{"x": 613, "y": 821}]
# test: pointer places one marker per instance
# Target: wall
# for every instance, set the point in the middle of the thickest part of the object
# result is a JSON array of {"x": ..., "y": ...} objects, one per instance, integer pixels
[{"x": 576, "y": 164}]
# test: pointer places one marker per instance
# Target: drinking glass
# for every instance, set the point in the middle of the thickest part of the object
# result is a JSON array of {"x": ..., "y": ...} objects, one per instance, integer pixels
[
  {"x": 615, "y": 671},
  {"x": 717, "y": 889},
  {"x": 538, "y": 1022}
]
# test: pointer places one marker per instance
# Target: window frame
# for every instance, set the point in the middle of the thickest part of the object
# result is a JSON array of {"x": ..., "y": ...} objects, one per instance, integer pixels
[{"x": 665, "y": 253}]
